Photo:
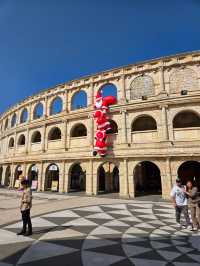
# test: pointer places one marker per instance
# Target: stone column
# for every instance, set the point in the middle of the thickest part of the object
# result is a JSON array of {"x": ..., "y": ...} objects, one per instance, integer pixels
[
  {"x": 15, "y": 144},
  {"x": 46, "y": 113},
  {"x": 167, "y": 180},
  {"x": 162, "y": 80},
  {"x": 44, "y": 139},
  {"x": 123, "y": 90},
  {"x": 67, "y": 178},
  {"x": 27, "y": 140},
  {"x": 40, "y": 174},
  {"x": 89, "y": 179},
  {"x": 124, "y": 139},
  {"x": 65, "y": 135},
  {"x": 62, "y": 177},
  {"x": 124, "y": 189},
  {"x": 12, "y": 175},
  {"x": 66, "y": 101},
  {"x": 165, "y": 131}
]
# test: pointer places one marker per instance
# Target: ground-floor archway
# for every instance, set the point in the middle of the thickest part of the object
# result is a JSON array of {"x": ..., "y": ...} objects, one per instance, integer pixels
[
  {"x": 1, "y": 175},
  {"x": 17, "y": 174},
  {"x": 7, "y": 179},
  {"x": 108, "y": 178},
  {"x": 52, "y": 178},
  {"x": 77, "y": 178},
  {"x": 33, "y": 176},
  {"x": 190, "y": 170},
  {"x": 147, "y": 179}
]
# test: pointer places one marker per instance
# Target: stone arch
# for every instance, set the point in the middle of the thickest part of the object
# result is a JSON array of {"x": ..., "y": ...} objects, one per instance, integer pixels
[
  {"x": 21, "y": 140},
  {"x": 7, "y": 179},
  {"x": 147, "y": 178},
  {"x": 114, "y": 127},
  {"x": 1, "y": 174},
  {"x": 79, "y": 100},
  {"x": 108, "y": 178},
  {"x": 14, "y": 120},
  {"x": 142, "y": 85},
  {"x": 11, "y": 143},
  {"x": 109, "y": 89},
  {"x": 77, "y": 178},
  {"x": 55, "y": 134},
  {"x": 183, "y": 79},
  {"x": 24, "y": 116},
  {"x": 186, "y": 118},
  {"x": 33, "y": 176},
  {"x": 36, "y": 137},
  {"x": 189, "y": 171},
  {"x": 143, "y": 123},
  {"x": 56, "y": 106},
  {"x": 17, "y": 175},
  {"x": 52, "y": 178},
  {"x": 38, "y": 111},
  {"x": 78, "y": 130}
]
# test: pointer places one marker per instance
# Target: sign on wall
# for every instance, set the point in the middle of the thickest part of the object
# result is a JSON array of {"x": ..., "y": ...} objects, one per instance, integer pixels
[
  {"x": 53, "y": 167},
  {"x": 54, "y": 186}
]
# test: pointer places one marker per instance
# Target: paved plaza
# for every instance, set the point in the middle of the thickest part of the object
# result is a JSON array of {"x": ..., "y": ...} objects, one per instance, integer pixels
[{"x": 101, "y": 232}]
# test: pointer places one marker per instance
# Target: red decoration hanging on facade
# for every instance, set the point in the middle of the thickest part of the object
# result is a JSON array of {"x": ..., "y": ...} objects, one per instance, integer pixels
[{"x": 102, "y": 122}]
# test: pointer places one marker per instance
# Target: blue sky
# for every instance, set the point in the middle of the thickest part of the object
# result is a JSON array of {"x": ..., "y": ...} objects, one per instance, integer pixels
[{"x": 47, "y": 42}]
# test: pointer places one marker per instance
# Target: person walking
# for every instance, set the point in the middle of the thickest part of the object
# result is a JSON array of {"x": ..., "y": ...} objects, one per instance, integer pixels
[
  {"x": 179, "y": 200},
  {"x": 193, "y": 204},
  {"x": 25, "y": 207}
]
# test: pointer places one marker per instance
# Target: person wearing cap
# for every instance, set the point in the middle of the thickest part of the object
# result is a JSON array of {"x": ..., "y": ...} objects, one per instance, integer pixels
[
  {"x": 179, "y": 200},
  {"x": 25, "y": 207}
]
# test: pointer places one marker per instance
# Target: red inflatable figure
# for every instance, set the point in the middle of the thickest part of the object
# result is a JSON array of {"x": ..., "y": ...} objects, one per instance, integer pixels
[{"x": 102, "y": 121}]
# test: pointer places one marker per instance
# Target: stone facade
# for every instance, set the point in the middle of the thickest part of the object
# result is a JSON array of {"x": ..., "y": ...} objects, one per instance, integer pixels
[{"x": 158, "y": 90}]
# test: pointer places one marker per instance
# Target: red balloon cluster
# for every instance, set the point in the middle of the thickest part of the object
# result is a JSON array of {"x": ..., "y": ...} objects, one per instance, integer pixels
[{"x": 102, "y": 122}]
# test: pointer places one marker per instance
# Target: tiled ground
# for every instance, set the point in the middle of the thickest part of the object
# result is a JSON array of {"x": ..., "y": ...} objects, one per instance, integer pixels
[{"x": 135, "y": 233}]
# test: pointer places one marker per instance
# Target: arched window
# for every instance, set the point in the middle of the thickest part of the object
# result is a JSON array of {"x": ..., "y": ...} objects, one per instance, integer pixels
[
  {"x": 21, "y": 140},
  {"x": 141, "y": 86},
  {"x": 11, "y": 143},
  {"x": 54, "y": 134},
  {"x": 13, "y": 120},
  {"x": 144, "y": 123},
  {"x": 36, "y": 137},
  {"x": 114, "y": 127},
  {"x": 109, "y": 89},
  {"x": 79, "y": 100},
  {"x": 183, "y": 79},
  {"x": 56, "y": 106},
  {"x": 6, "y": 124},
  {"x": 186, "y": 119},
  {"x": 24, "y": 116},
  {"x": 38, "y": 111},
  {"x": 79, "y": 131}
]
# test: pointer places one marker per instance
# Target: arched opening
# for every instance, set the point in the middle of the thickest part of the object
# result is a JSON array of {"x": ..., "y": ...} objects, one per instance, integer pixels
[
  {"x": 54, "y": 134},
  {"x": 56, "y": 106},
  {"x": 190, "y": 170},
  {"x": 144, "y": 123},
  {"x": 114, "y": 127},
  {"x": 108, "y": 178},
  {"x": 52, "y": 178},
  {"x": 141, "y": 86},
  {"x": 77, "y": 178},
  {"x": 7, "y": 177},
  {"x": 38, "y": 111},
  {"x": 186, "y": 119},
  {"x": 78, "y": 131},
  {"x": 21, "y": 140},
  {"x": 24, "y": 116},
  {"x": 33, "y": 176},
  {"x": 109, "y": 89},
  {"x": 1, "y": 175},
  {"x": 36, "y": 137},
  {"x": 11, "y": 143},
  {"x": 13, "y": 120},
  {"x": 18, "y": 173},
  {"x": 79, "y": 100},
  {"x": 147, "y": 179}
]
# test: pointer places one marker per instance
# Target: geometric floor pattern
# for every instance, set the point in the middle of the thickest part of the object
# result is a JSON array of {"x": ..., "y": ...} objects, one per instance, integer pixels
[{"x": 139, "y": 233}]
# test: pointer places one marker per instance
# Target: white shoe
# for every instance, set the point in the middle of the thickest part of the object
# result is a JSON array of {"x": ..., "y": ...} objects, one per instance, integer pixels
[{"x": 190, "y": 228}]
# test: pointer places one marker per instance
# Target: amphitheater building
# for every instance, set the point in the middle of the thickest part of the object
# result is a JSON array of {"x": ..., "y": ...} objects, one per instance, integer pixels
[{"x": 49, "y": 137}]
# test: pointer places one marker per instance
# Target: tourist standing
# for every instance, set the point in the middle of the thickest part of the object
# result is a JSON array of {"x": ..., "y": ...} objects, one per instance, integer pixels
[
  {"x": 179, "y": 200},
  {"x": 25, "y": 207},
  {"x": 193, "y": 203}
]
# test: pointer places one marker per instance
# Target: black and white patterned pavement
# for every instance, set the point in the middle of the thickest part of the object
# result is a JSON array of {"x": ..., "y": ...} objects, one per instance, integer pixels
[{"x": 139, "y": 233}]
